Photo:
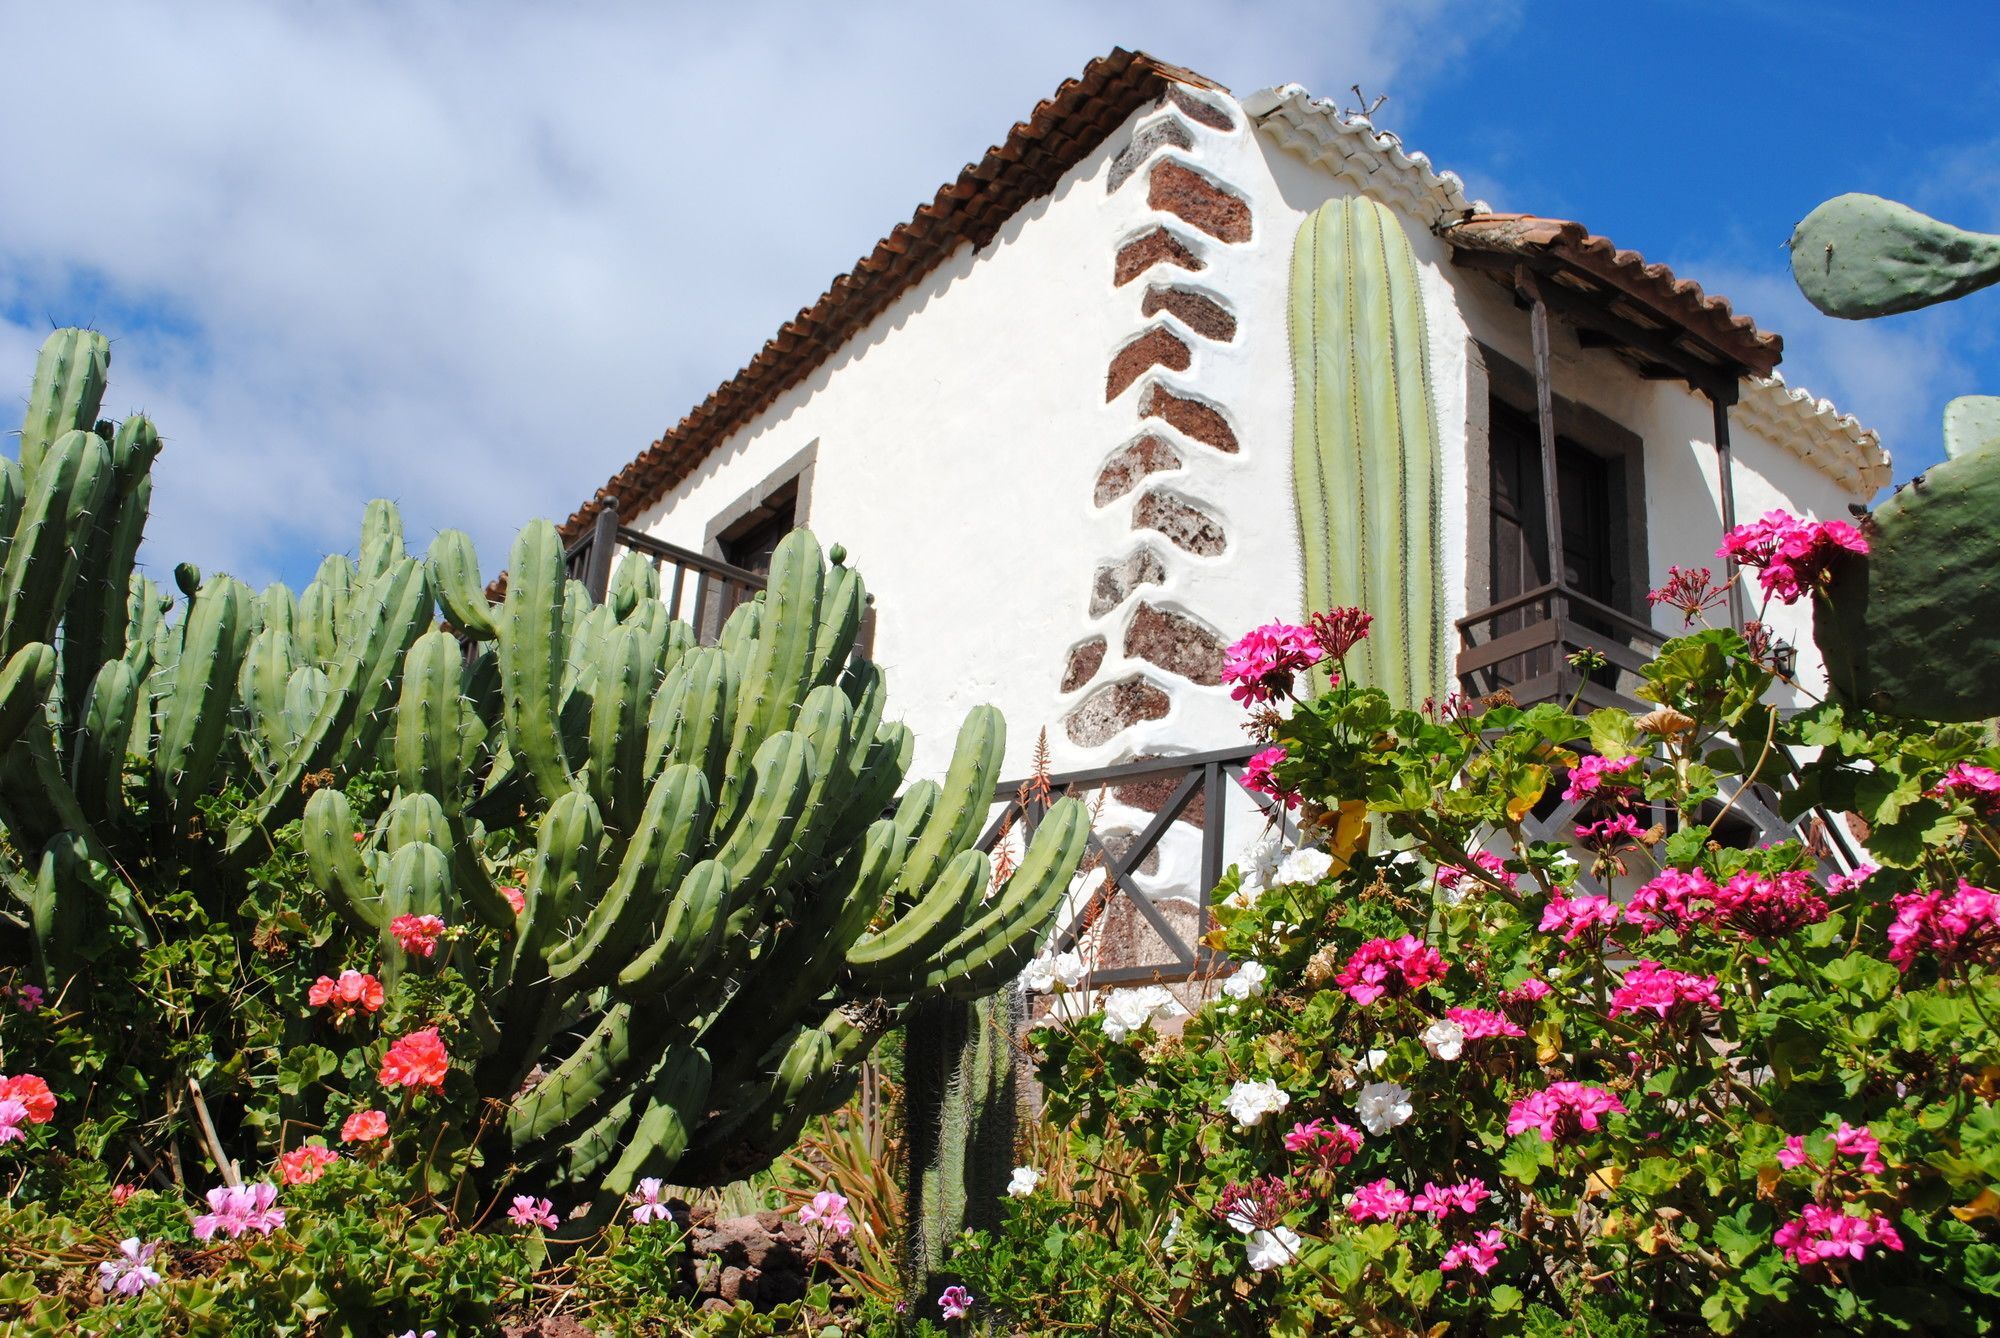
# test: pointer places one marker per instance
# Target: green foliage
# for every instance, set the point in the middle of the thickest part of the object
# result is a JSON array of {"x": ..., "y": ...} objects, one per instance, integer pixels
[
  {"x": 1664, "y": 1216},
  {"x": 209, "y": 809}
]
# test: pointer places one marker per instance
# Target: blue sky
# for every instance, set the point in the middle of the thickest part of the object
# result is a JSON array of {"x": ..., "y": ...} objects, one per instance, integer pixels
[{"x": 475, "y": 256}]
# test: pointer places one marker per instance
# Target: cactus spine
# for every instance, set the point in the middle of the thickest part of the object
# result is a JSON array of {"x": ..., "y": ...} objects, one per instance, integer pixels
[
  {"x": 717, "y": 922},
  {"x": 1364, "y": 442}
]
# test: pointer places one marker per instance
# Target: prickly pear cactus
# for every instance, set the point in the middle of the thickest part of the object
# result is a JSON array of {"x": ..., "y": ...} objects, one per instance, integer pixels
[
  {"x": 1913, "y": 628},
  {"x": 1364, "y": 443},
  {"x": 1861, "y": 256},
  {"x": 725, "y": 903}
]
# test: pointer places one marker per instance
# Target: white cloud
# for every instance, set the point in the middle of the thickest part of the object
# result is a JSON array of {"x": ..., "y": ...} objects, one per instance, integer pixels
[{"x": 474, "y": 257}]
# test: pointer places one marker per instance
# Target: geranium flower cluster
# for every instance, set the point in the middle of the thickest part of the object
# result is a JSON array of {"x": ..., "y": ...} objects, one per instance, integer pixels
[
  {"x": 417, "y": 935},
  {"x": 1391, "y": 967},
  {"x": 1326, "y": 1147},
  {"x": 1849, "y": 1141},
  {"x": 1266, "y": 661},
  {"x": 1592, "y": 774},
  {"x": 1128, "y": 1011},
  {"x": 1251, "y": 1100},
  {"x": 305, "y": 1163},
  {"x": 1563, "y": 1111},
  {"x": 826, "y": 1211},
  {"x": 529, "y": 1211},
  {"x": 350, "y": 993},
  {"x": 1340, "y": 630},
  {"x": 1258, "y": 1210},
  {"x": 240, "y": 1210},
  {"x": 1770, "y": 905},
  {"x": 24, "y": 1099},
  {"x": 1791, "y": 556},
  {"x": 132, "y": 1272},
  {"x": 1575, "y": 916},
  {"x": 416, "y": 1060},
  {"x": 1968, "y": 781},
  {"x": 1648, "y": 987},
  {"x": 1259, "y": 777},
  {"x": 1692, "y": 590},
  {"x": 1957, "y": 929},
  {"x": 1825, "y": 1235},
  {"x": 1478, "y": 1024}
]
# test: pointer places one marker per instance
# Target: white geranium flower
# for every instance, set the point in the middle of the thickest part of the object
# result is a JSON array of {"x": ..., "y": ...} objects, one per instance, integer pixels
[
  {"x": 1444, "y": 1038},
  {"x": 1173, "y": 1234},
  {"x": 1022, "y": 1183},
  {"x": 1382, "y": 1106},
  {"x": 1250, "y": 1102},
  {"x": 1365, "y": 1064},
  {"x": 1240, "y": 900},
  {"x": 1046, "y": 972},
  {"x": 1260, "y": 862},
  {"x": 1127, "y": 1011},
  {"x": 1304, "y": 865},
  {"x": 1248, "y": 982},
  {"x": 1272, "y": 1249}
]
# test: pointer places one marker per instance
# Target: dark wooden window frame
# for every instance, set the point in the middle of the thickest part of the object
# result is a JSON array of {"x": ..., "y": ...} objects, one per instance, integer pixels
[
  {"x": 793, "y": 479},
  {"x": 1622, "y": 449}
]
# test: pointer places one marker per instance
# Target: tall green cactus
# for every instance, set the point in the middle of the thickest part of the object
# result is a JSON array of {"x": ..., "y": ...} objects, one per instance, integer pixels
[
  {"x": 720, "y": 915},
  {"x": 1364, "y": 443},
  {"x": 962, "y": 1116},
  {"x": 1913, "y": 628}
]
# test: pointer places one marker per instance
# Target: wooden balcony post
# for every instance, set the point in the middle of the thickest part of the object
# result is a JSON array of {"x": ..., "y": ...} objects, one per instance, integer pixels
[
  {"x": 1727, "y": 490},
  {"x": 1545, "y": 424}
]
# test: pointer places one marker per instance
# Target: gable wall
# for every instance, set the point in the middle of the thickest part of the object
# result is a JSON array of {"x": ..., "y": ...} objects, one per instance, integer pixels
[{"x": 960, "y": 448}]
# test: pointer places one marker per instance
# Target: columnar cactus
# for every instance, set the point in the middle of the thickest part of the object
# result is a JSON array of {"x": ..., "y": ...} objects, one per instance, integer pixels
[
  {"x": 1364, "y": 443},
  {"x": 725, "y": 902},
  {"x": 1927, "y": 586}
]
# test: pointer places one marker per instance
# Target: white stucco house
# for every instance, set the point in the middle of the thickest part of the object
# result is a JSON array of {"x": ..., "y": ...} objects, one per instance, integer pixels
[{"x": 1051, "y": 419}]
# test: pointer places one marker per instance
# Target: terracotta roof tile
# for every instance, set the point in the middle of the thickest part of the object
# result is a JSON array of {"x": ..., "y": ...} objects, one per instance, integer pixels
[{"x": 1659, "y": 294}]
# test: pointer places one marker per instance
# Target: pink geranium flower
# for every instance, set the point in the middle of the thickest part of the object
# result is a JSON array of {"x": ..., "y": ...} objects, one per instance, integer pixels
[
  {"x": 416, "y": 1060},
  {"x": 1609, "y": 833},
  {"x": 516, "y": 897},
  {"x": 828, "y": 1212},
  {"x": 1677, "y": 899},
  {"x": 1481, "y": 1254},
  {"x": 1392, "y": 967},
  {"x": 955, "y": 1303},
  {"x": 1791, "y": 556},
  {"x": 352, "y": 992},
  {"x": 38, "y": 1103},
  {"x": 1265, "y": 661},
  {"x": 1480, "y": 1023},
  {"x": 132, "y": 1272},
  {"x": 1573, "y": 917},
  {"x": 1821, "y": 1235},
  {"x": 241, "y": 1210},
  {"x": 1960, "y": 928},
  {"x": 1770, "y": 905},
  {"x": 1380, "y": 1201},
  {"x": 364, "y": 1126},
  {"x": 647, "y": 1205},
  {"x": 1450, "y": 877},
  {"x": 1562, "y": 1112},
  {"x": 529, "y": 1211},
  {"x": 1257, "y": 776},
  {"x": 1440, "y": 1201},
  {"x": 1532, "y": 990},
  {"x": 417, "y": 935},
  {"x": 1648, "y": 987},
  {"x": 305, "y": 1163},
  {"x": 1976, "y": 785},
  {"x": 1592, "y": 774},
  {"x": 1329, "y": 1147}
]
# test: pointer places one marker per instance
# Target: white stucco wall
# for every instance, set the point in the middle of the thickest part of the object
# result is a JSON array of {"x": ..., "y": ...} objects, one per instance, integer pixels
[{"x": 957, "y": 441}]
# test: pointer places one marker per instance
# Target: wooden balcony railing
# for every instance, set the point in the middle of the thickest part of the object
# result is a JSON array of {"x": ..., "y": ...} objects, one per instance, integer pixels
[
  {"x": 701, "y": 591},
  {"x": 1523, "y": 645}
]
